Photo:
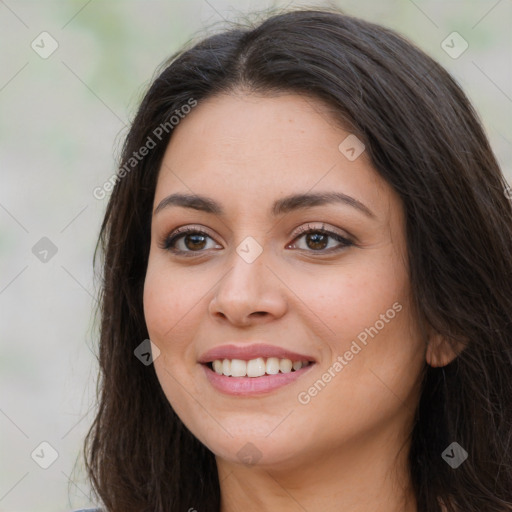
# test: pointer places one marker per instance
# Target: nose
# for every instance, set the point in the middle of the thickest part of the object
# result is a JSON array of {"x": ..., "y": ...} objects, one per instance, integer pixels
[{"x": 249, "y": 292}]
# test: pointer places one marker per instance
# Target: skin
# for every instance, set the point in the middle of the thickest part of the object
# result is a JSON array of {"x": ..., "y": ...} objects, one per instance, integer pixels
[{"x": 346, "y": 449}]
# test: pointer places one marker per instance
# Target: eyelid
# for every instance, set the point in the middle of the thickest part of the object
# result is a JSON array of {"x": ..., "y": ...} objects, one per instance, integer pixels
[{"x": 304, "y": 228}]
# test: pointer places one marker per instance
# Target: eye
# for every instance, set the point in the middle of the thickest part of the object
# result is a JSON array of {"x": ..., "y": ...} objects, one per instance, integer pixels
[
  {"x": 189, "y": 240},
  {"x": 317, "y": 239},
  {"x": 186, "y": 241}
]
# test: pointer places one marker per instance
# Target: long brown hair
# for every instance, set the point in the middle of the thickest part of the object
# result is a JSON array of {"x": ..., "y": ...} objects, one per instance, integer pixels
[{"x": 426, "y": 141}]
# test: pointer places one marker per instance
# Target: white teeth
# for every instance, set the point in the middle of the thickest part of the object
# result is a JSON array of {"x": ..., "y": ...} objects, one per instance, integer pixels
[
  {"x": 285, "y": 365},
  {"x": 272, "y": 366},
  {"x": 256, "y": 367},
  {"x": 238, "y": 368},
  {"x": 217, "y": 366},
  {"x": 226, "y": 367}
]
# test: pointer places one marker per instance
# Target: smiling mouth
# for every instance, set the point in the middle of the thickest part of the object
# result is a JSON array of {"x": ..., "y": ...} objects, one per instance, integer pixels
[{"x": 258, "y": 367}]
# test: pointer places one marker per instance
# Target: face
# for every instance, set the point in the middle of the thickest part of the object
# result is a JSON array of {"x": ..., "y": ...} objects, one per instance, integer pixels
[{"x": 319, "y": 280}]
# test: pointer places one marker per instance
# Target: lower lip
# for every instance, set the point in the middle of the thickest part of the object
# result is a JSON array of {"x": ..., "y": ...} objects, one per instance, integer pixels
[{"x": 252, "y": 385}]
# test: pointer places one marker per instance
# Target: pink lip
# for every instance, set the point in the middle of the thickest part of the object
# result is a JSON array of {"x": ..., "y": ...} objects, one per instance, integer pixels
[
  {"x": 252, "y": 385},
  {"x": 248, "y": 352}
]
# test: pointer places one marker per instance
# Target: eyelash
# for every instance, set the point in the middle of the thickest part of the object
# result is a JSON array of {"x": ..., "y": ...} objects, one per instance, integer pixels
[{"x": 169, "y": 241}]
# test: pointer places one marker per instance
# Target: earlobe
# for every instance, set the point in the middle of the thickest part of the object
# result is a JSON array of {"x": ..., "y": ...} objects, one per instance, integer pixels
[{"x": 440, "y": 352}]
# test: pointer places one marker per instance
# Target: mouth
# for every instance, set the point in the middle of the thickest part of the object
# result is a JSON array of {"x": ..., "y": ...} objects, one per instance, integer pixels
[
  {"x": 241, "y": 378},
  {"x": 255, "y": 368}
]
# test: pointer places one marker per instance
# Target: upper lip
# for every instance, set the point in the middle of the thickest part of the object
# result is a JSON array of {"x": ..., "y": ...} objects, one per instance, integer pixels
[{"x": 248, "y": 352}]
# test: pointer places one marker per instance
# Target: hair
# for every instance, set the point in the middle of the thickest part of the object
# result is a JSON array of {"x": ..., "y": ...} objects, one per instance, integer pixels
[{"x": 424, "y": 138}]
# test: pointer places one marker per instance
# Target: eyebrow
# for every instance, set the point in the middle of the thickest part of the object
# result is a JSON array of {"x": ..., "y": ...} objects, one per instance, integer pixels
[{"x": 280, "y": 207}]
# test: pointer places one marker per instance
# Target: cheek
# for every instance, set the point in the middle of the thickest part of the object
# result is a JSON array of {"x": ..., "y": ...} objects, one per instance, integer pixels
[
  {"x": 159, "y": 300},
  {"x": 365, "y": 316},
  {"x": 373, "y": 375},
  {"x": 172, "y": 313},
  {"x": 348, "y": 298},
  {"x": 171, "y": 302}
]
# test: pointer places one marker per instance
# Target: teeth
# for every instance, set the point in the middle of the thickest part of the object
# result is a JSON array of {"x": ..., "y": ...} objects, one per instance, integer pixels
[
  {"x": 272, "y": 366},
  {"x": 256, "y": 367},
  {"x": 226, "y": 367},
  {"x": 238, "y": 368},
  {"x": 217, "y": 366},
  {"x": 285, "y": 365}
]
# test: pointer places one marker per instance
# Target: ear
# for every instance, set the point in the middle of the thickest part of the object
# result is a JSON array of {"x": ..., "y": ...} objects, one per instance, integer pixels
[{"x": 441, "y": 352}]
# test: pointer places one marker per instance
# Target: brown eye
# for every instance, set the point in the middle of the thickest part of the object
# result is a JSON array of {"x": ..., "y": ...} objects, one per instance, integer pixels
[
  {"x": 186, "y": 241},
  {"x": 318, "y": 239},
  {"x": 197, "y": 241}
]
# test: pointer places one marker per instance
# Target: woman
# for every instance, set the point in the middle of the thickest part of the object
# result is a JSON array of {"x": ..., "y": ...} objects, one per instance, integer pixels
[{"x": 312, "y": 230}]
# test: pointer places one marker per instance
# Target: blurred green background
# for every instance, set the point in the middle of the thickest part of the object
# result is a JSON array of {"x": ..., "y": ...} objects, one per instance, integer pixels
[{"x": 62, "y": 119}]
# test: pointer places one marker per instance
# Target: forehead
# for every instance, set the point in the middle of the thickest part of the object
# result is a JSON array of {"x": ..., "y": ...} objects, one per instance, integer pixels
[{"x": 249, "y": 150}]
